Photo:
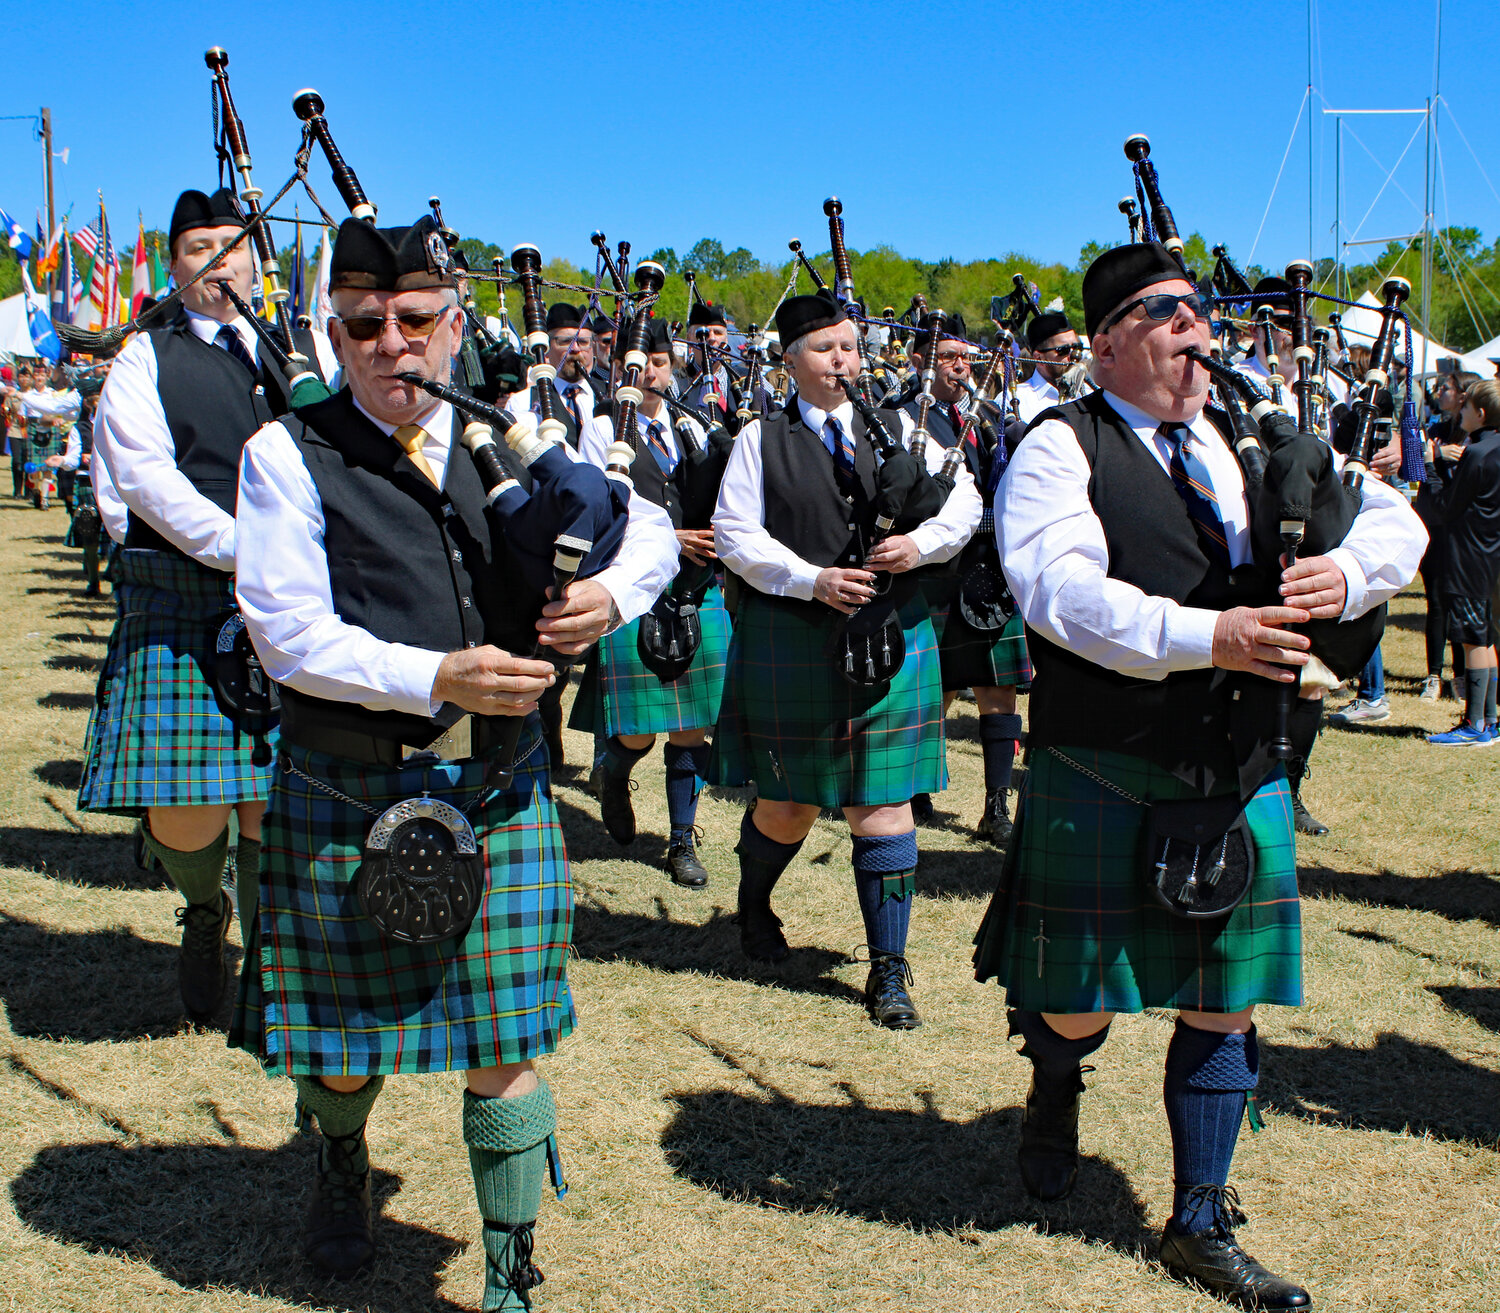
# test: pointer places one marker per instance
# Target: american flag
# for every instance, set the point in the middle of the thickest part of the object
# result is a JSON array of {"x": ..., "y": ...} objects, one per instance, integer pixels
[{"x": 88, "y": 239}]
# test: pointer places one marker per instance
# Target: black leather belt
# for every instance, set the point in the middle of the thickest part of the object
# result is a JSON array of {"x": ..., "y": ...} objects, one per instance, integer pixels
[{"x": 368, "y": 750}]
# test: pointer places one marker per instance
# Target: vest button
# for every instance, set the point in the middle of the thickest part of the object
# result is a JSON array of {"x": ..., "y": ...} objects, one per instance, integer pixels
[
  {"x": 466, "y": 604},
  {"x": 852, "y": 526},
  {"x": 457, "y": 555}
]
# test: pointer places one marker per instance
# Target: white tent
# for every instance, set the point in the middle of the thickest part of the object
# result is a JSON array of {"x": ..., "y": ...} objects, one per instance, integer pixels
[
  {"x": 15, "y": 335},
  {"x": 1362, "y": 323},
  {"x": 1481, "y": 360}
]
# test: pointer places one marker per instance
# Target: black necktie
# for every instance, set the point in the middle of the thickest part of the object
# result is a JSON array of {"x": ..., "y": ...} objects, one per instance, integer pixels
[
  {"x": 659, "y": 449},
  {"x": 228, "y": 338}
]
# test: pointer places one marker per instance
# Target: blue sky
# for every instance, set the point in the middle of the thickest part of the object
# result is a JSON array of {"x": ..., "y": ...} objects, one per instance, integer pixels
[{"x": 963, "y": 130}]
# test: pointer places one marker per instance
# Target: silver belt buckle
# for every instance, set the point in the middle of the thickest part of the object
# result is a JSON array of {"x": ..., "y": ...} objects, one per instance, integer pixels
[{"x": 456, "y": 743}]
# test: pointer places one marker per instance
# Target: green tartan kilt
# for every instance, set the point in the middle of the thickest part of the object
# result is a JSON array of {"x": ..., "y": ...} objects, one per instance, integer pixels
[
  {"x": 791, "y": 726},
  {"x": 1073, "y": 928},
  {"x": 972, "y": 659},
  {"x": 333, "y": 996},
  {"x": 156, "y": 736},
  {"x": 619, "y": 695}
]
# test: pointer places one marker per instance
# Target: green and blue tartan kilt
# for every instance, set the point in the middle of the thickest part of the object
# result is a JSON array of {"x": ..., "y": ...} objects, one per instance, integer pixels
[
  {"x": 156, "y": 736},
  {"x": 619, "y": 695},
  {"x": 972, "y": 659},
  {"x": 940, "y": 591},
  {"x": 1073, "y": 927},
  {"x": 790, "y": 725},
  {"x": 83, "y": 495},
  {"x": 333, "y": 996}
]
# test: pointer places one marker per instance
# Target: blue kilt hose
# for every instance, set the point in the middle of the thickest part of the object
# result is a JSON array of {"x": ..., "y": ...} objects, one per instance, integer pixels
[
  {"x": 619, "y": 695},
  {"x": 790, "y": 724},
  {"x": 1072, "y": 926},
  {"x": 157, "y": 736},
  {"x": 328, "y": 994}
]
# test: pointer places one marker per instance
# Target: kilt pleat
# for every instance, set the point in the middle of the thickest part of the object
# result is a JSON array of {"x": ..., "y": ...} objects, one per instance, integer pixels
[
  {"x": 618, "y": 695},
  {"x": 791, "y": 726},
  {"x": 972, "y": 659},
  {"x": 328, "y": 994},
  {"x": 156, "y": 735},
  {"x": 1072, "y": 927}
]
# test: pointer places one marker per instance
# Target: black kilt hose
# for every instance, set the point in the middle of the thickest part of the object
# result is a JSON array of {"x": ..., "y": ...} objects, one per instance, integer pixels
[
  {"x": 324, "y": 993},
  {"x": 157, "y": 736},
  {"x": 791, "y": 725}
]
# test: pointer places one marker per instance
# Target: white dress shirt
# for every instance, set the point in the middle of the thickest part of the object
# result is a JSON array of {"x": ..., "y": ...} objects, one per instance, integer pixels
[
  {"x": 767, "y": 564},
  {"x": 286, "y": 597},
  {"x": 1253, "y": 369},
  {"x": 1035, "y": 395},
  {"x": 526, "y": 399},
  {"x": 50, "y": 403},
  {"x": 132, "y": 439},
  {"x": 599, "y": 432},
  {"x": 1057, "y": 561}
]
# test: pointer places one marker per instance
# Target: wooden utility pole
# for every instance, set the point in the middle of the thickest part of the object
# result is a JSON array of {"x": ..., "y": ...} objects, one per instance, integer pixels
[{"x": 47, "y": 173}]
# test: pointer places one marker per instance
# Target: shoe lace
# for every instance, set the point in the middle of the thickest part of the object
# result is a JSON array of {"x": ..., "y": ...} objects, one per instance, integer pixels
[
  {"x": 1224, "y": 1200},
  {"x": 342, "y": 1179},
  {"x": 518, "y": 1273},
  {"x": 685, "y": 838},
  {"x": 890, "y": 970},
  {"x": 201, "y": 924}
]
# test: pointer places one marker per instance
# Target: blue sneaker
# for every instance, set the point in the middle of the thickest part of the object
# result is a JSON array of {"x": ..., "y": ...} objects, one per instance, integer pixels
[
  {"x": 1462, "y": 735},
  {"x": 1490, "y": 735}
]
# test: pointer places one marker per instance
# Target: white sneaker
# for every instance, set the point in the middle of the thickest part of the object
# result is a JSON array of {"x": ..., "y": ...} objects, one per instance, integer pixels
[
  {"x": 1432, "y": 689},
  {"x": 1361, "y": 711}
]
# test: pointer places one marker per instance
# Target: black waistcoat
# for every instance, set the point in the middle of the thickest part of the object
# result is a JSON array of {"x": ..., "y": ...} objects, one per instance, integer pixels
[
  {"x": 406, "y": 562},
  {"x": 1208, "y": 727},
  {"x": 561, "y": 411},
  {"x": 85, "y": 433},
  {"x": 213, "y": 404},
  {"x": 804, "y": 507},
  {"x": 276, "y": 384}
]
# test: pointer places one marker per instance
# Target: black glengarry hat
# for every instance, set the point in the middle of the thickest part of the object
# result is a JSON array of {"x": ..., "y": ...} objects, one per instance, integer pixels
[
  {"x": 1264, "y": 294},
  {"x": 1045, "y": 325},
  {"x": 1120, "y": 273},
  {"x": 798, "y": 316},
  {"x": 194, "y": 209},
  {"x": 704, "y": 314},
  {"x": 563, "y": 314},
  {"x": 954, "y": 329},
  {"x": 373, "y": 259}
]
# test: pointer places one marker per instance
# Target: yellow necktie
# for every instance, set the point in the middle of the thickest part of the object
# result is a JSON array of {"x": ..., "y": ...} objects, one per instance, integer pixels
[{"x": 411, "y": 437}]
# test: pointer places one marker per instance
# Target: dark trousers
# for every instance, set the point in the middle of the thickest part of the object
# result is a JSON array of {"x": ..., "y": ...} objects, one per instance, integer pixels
[{"x": 20, "y": 453}]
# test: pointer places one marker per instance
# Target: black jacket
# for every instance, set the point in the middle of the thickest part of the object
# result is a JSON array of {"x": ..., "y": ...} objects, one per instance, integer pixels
[{"x": 1472, "y": 515}]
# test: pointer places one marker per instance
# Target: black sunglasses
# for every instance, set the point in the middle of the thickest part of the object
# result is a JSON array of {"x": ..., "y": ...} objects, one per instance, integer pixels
[
  {"x": 412, "y": 325},
  {"x": 1161, "y": 306}
]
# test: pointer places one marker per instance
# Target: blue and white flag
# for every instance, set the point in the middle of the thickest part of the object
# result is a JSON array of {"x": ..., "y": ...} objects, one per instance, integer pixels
[
  {"x": 16, "y": 236},
  {"x": 43, "y": 338}
]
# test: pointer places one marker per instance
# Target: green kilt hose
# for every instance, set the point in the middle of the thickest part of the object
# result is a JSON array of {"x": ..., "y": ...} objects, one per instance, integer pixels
[
  {"x": 973, "y": 659},
  {"x": 791, "y": 726},
  {"x": 333, "y": 996},
  {"x": 1073, "y": 928},
  {"x": 156, "y": 736},
  {"x": 619, "y": 695}
]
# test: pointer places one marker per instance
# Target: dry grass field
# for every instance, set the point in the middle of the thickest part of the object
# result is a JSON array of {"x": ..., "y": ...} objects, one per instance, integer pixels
[{"x": 739, "y": 1139}]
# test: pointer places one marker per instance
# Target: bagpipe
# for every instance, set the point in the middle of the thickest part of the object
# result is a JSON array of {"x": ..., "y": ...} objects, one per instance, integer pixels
[{"x": 1297, "y": 500}]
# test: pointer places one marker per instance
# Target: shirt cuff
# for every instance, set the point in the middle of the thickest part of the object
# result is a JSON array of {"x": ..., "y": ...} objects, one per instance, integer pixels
[
  {"x": 413, "y": 672},
  {"x": 1356, "y": 585},
  {"x": 631, "y": 602},
  {"x": 802, "y": 581},
  {"x": 1190, "y": 638}
]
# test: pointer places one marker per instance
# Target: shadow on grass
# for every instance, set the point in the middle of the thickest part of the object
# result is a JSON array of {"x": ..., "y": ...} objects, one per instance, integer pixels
[
  {"x": 57, "y": 572},
  {"x": 1457, "y": 895},
  {"x": 67, "y": 701},
  {"x": 897, "y": 1168},
  {"x": 1480, "y": 1003},
  {"x": 101, "y": 861},
  {"x": 1396, "y": 1085},
  {"x": 85, "y": 665},
  {"x": 62, "y": 774},
  {"x": 221, "y": 1216},
  {"x": 603, "y": 935},
  {"x": 91, "y": 985},
  {"x": 1381, "y": 729},
  {"x": 55, "y": 539},
  {"x": 101, "y": 639},
  {"x": 101, "y": 610}
]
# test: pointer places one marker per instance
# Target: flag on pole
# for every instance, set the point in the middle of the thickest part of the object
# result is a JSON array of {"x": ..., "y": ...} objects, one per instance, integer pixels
[
  {"x": 158, "y": 276},
  {"x": 15, "y": 236},
  {"x": 88, "y": 240},
  {"x": 43, "y": 339},
  {"x": 321, "y": 305},
  {"x": 62, "y": 285},
  {"x": 48, "y": 262},
  {"x": 140, "y": 272}
]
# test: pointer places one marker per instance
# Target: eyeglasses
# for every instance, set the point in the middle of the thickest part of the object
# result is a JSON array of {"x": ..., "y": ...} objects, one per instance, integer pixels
[
  {"x": 412, "y": 325},
  {"x": 1161, "y": 306},
  {"x": 1064, "y": 350},
  {"x": 950, "y": 357}
]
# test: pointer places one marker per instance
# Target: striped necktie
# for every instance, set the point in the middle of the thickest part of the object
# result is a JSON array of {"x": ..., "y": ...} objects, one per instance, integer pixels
[
  {"x": 570, "y": 397},
  {"x": 228, "y": 338},
  {"x": 1190, "y": 478},
  {"x": 842, "y": 446},
  {"x": 411, "y": 437},
  {"x": 659, "y": 448}
]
